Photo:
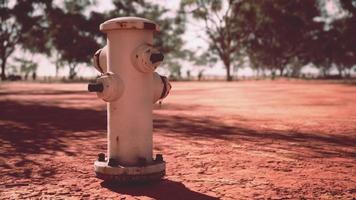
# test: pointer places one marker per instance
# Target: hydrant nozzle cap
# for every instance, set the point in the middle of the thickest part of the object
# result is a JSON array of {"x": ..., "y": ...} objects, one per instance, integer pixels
[{"x": 129, "y": 23}]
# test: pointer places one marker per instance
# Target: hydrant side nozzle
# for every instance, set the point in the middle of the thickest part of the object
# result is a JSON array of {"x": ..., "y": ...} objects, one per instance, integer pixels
[
  {"x": 145, "y": 58},
  {"x": 164, "y": 91},
  {"x": 162, "y": 87},
  {"x": 96, "y": 60},
  {"x": 95, "y": 87},
  {"x": 99, "y": 60}
]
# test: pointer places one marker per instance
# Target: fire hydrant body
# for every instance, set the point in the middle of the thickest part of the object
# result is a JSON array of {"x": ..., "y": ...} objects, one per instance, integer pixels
[{"x": 130, "y": 86}]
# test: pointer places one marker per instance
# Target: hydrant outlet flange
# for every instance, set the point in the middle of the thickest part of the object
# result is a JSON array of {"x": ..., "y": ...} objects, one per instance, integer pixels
[
  {"x": 113, "y": 87},
  {"x": 146, "y": 58}
]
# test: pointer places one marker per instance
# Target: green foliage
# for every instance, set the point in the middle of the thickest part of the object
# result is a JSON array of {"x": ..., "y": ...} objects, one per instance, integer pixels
[
  {"x": 20, "y": 24},
  {"x": 274, "y": 35},
  {"x": 286, "y": 32},
  {"x": 276, "y": 30},
  {"x": 346, "y": 46},
  {"x": 8, "y": 34},
  {"x": 279, "y": 35},
  {"x": 71, "y": 35}
]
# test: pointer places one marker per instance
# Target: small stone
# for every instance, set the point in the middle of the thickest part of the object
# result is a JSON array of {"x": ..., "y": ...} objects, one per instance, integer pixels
[
  {"x": 51, "y": 192},
  {"x": 85, "y": 195}
]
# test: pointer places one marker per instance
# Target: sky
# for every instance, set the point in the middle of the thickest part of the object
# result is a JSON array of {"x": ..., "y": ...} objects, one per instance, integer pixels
[{"x": 192, "y": 38}]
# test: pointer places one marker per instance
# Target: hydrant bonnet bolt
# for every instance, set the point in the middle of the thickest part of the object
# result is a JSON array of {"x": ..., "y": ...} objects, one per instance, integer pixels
[{"x": 101, "y": 157}]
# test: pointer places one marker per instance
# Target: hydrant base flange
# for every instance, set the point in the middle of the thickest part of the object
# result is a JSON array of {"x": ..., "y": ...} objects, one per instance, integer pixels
[{"x": 130, "y": 174}]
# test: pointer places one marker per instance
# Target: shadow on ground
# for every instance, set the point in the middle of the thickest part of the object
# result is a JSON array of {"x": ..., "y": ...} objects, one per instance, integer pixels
[
  {"x": 165, "y": 189},
  {"x": 298, "y": 143},
  {"x": 43, "y": 129},
  {"x": 40, "y": 129}
]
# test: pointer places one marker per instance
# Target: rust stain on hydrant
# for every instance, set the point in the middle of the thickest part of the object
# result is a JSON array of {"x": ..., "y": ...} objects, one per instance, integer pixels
[{"x": 130, "y": 86}]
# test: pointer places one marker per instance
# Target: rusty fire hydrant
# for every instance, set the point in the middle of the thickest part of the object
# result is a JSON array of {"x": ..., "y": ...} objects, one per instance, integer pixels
[{"x": 130, "y": 86}]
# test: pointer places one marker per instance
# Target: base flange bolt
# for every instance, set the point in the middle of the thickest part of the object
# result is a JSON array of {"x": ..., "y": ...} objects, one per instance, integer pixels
[
  {"x": 101, "y": 157},
  {"x": 159, "y": 158}
]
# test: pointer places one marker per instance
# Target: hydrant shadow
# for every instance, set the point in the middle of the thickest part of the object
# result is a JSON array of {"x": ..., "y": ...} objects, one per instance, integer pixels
[{"x": 165, "y": 189}]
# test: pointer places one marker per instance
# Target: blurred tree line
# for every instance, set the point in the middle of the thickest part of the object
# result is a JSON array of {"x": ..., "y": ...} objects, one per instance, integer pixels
[
  {"x": 279, "y": 37},
  {"x": 70, "y": 32}
]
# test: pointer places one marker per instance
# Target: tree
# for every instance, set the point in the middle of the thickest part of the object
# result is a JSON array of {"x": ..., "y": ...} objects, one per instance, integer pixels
[
  {"x": 20, "y": 25},
  {"x": 8, "y": 35},
  {"x": 202, "y": 60},
  {"x": 82, "y": 36},
  {"x": 323, "y": 50},
  {"x": 293, "y": 33},
  {"x": 334, "y": 43},
  {"x": 277, "y": 31},
  {"x": 71, "y": 36},
  {"x": 345, "y": 26},
  {"x": 219, "y": 26}
]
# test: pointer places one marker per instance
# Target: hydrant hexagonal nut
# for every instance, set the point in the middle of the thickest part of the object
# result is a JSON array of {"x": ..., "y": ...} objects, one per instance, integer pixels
[
  {"x": 95, "y": 87},
  {"x": 100, "y": 60},
  {"x": 156, "y": 57}
]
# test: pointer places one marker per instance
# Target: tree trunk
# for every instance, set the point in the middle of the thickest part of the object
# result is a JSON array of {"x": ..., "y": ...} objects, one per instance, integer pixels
[
  {"x": 263, "y": 73},
  {"x": 57, "y": 70},
  {"x": 347, "y": 72},
  {"x": 281, "y": 69},
  {"x": 228, "y": 71},
  {"x": 3, "y": 64},
  {"x": 228, "y": 75},
  {"x": 72, "y": 72},
  {"x": 273, "y": 74},
  {"x": 339, "y": 69},
  {"x": 325, "y": 73},
  {"x": 257, "y": 73}
]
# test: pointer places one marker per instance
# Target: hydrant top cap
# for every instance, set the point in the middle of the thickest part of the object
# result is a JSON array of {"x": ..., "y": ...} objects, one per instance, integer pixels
[{"x": 129, "y": 23}]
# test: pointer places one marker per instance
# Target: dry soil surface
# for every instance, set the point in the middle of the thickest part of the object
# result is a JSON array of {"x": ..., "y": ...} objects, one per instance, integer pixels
[{"x": 240, "y": 140}]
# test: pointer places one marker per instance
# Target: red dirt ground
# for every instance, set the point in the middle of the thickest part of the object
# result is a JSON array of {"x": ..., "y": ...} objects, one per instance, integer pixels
[{"x": 241, "y": 140}]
